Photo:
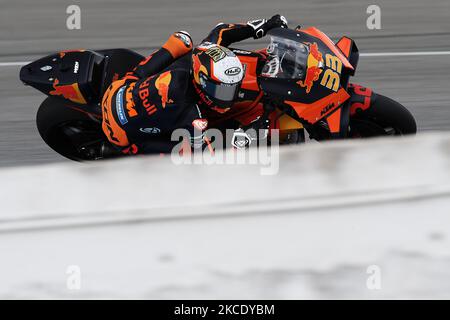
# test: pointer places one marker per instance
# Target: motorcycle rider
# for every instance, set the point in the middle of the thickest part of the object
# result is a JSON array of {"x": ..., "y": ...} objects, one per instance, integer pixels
[{"x": 169, "y": 89}]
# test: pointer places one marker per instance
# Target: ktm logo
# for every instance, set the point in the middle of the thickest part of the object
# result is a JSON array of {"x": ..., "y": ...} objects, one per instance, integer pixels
[
  {"x": 131, "y": 110},
  {"x": 327, "y": 108},
  {"x": 233, "y": 71}
]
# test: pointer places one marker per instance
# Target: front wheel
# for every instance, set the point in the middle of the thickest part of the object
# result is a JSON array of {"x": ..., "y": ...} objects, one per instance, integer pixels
[{"x": 384, "y": 117}]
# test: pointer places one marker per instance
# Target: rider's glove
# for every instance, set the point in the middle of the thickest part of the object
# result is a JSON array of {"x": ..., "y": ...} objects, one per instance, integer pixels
[
  {"x": 262, "y": 26},
  {"x": 275, "y": 22}
]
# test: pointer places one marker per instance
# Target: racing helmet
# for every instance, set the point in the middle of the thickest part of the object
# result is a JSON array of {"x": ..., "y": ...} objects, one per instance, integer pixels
[{"x": 217, "y": 76}]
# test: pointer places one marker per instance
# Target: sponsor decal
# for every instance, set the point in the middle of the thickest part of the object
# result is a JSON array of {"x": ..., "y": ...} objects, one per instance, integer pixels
[
  {"x": 107, "y": 123},
  {"x": 200, "y": 124},
  {"x": 162, "y": 85},
  {"x": 133, "y": 149},
  {"x": 216, "y": 53},
  {"x": 144, "y": 94},
  {"x": 239, "y": 51},
  {"x": 257, "y": 25},
  {"x": 313, "y": 68},
  {"x": 46, "y": 68},
  {"x": 240, "y": 139},
  {"x": 76, "y": 67},
  {"x": 203, "y": 98},
  {"x": 146, "y": 60},
  {"x": 205, "y": 45},
  {"x": 130, "y": 106},
  {"x": 70, "y": 92},
  {"x": 115, "y": 77},
  {"x": 233, "y": 71},
  {"x": 360, "y": 98},
  {"x": 63, "y": 53},
  {"x": 150, "y": 109},
  {"x": 197, "y": 68},
  {"x": 119, "y": 106},
  {"x": 152, "y": 130}
]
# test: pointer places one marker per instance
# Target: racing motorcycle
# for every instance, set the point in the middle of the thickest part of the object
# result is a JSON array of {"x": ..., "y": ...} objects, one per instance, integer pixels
[{"x": 301, "y": 79}]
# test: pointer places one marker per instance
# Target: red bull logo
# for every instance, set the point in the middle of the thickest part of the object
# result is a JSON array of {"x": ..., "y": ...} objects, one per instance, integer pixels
[
  {"x": 162, "y": 84},
  {"x": 313, "y": 69},
  {"x": 71, "y": 92}
]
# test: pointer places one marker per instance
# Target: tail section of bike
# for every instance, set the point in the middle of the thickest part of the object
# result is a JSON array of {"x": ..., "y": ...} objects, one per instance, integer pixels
[
  {"x": 69, "y": 120},
  {"x": 79, "y": 76}
]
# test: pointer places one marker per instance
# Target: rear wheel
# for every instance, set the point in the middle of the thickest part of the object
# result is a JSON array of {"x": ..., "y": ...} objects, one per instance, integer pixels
[
  {"x": 73, "y": 134},
  {"x": 295, "y": 136},
  {"x": 384, "y": 117}
]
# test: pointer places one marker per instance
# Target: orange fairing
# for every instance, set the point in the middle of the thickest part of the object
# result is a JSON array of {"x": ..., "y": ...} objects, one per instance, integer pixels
[
  {"x": 315, "y": 111},
  {"x": 324, "y": 38},
  {"x": 250, "y": 80},
  {"x": 71, "y": 92},
  {"x": 345, "y": 45},
  {"x": 334, "y": 121},
  {"x": 286, "y": 122}
]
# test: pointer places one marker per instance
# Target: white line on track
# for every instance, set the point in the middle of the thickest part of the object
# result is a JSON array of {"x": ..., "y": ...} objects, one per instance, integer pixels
[
  {"x": 371, "y": 54},
  {"x": 13, "y": 64}
]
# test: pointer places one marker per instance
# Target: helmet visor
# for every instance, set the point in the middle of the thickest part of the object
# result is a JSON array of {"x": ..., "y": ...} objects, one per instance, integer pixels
[{"x": 220, "y": 91}]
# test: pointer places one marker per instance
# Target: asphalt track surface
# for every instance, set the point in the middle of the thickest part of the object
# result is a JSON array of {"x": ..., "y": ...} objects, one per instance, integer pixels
[{"x": 30, "y": 29}]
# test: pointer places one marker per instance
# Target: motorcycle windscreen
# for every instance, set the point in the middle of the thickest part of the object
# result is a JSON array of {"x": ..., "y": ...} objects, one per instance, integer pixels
[{"x": 287, "y": 59}]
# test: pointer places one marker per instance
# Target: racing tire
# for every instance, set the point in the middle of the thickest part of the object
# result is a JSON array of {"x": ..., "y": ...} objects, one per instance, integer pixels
[
  {"x": 68, "y": 131},
  {"x": 384, "y": 117}
]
